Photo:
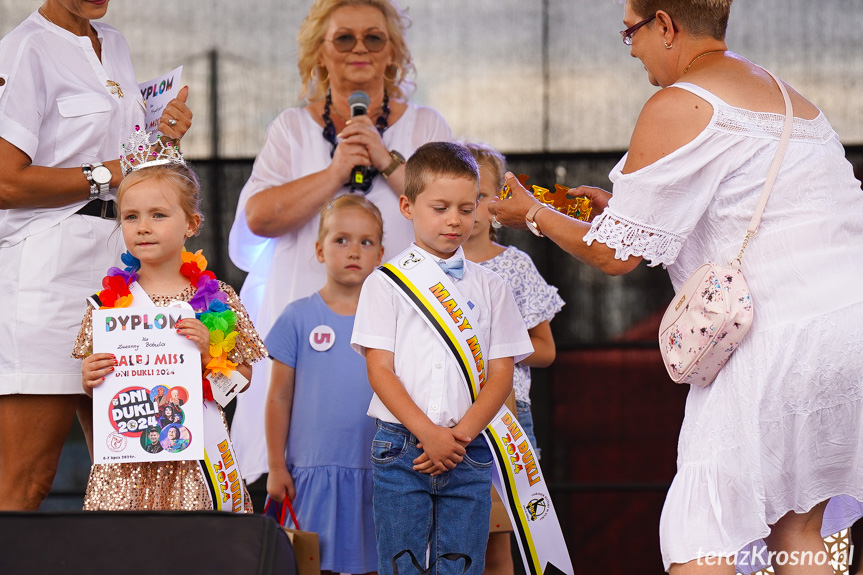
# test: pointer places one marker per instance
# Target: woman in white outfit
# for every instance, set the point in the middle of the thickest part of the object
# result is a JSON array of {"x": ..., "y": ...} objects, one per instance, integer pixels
[
  {"x": 68, "y": 99},
  {"x": 772, "y": 449},
  {"x": 307, "y": 160}
]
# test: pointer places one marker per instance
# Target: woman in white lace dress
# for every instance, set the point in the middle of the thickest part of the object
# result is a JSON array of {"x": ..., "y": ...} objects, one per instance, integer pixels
[{"x": 776, "y": 439}]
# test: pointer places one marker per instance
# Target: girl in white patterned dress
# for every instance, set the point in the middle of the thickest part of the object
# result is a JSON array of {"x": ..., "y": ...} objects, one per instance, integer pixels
[{"x": 537, "y": 301}]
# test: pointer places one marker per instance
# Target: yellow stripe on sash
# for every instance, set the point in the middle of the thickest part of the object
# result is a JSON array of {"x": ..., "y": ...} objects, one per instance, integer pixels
[
  {"x": 215, "y": 492},
  {"x": 452, "y": 341},
  {"x": 523, "y": 528}
]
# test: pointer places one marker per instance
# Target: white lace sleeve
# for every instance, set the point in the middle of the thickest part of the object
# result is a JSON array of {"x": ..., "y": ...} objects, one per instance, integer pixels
[{"x": 629, "y": 238}]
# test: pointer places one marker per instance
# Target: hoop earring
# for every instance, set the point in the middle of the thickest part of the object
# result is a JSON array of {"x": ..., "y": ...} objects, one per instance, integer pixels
[
  {"x": 318, "y": 74},
  {"x": 669, "y": 46},
  {"x": 395, "y": 75}
]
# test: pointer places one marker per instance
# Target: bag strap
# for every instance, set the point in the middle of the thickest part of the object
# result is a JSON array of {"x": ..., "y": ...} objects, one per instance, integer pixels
[
  {"x": 280, "y": 517},
  {"x": 774, "y": 169},
  {"x": 418, "y": 567},
  {"x": 287, "y": 503}
]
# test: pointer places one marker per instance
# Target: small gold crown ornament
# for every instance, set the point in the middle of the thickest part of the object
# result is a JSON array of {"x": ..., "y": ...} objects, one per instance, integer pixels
[
  {"x": 142, "y": 150},
  {"x": 560, "y": 199}
]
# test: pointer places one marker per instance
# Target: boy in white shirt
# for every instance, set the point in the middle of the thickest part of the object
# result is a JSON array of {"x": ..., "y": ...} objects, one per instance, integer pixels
[{"x": 431, "y": 465}]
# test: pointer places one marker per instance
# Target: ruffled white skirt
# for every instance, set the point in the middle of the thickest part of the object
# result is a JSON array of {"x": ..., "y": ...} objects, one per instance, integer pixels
[{"x": 781, "y": 429}]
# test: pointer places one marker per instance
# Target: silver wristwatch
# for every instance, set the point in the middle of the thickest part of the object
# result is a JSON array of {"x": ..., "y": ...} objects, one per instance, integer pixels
[{"x": 99, "y": 177}]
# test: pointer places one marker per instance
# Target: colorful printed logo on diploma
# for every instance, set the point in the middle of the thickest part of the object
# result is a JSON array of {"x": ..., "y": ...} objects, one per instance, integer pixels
[{"x": 154, "y": 416}]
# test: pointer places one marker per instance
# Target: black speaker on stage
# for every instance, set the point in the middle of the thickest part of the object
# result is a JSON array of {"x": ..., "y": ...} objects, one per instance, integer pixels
[{"x": 143, "y": 542}]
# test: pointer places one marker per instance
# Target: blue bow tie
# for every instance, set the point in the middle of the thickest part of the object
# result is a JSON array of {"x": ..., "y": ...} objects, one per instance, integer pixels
[{"x": 455, "y": 267}]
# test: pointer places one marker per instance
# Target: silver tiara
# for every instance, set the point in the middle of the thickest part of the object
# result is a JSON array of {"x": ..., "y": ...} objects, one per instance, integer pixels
[{"x": 142, "y": 150}]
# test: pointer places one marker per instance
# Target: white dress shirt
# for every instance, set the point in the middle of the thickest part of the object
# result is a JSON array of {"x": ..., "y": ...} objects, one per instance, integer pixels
[
  {"x": 386, "y": 320},
  {"x": 55, "y": 107}
]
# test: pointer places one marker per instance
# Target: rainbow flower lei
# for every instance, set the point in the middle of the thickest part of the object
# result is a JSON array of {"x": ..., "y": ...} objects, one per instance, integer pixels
[{"x": 209, "y": 303}]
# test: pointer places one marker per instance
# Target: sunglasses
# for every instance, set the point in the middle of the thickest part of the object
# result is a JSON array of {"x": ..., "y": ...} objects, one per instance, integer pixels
[{"x": 373, "y": 41}]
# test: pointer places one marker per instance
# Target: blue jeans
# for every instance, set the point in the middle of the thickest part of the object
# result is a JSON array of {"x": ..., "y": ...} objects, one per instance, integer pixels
[{"x": 446, "y": 513}]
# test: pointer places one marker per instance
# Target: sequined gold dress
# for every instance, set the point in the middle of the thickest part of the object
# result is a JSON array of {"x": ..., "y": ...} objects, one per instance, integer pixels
[{"x": 163, "y": 485}]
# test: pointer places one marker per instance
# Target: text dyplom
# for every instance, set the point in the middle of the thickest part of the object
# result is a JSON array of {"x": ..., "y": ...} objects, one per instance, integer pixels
[
  {"x": 124, "y": 321},
  {"x": 156, "y": 89},
  {"x": 157, "y": 93}
]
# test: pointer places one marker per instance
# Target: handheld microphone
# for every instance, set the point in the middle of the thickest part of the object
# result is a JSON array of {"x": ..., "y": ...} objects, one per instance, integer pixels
[{"x": 360, "y": 178}]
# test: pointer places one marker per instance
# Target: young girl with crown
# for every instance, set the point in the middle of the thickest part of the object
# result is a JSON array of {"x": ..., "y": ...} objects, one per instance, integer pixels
[{"x": 158, "y": 206}]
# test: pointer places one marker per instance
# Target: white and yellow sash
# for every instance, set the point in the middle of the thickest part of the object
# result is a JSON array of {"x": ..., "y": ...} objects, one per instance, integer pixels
[
  {"x": 219, "y": 466},
  {"x": 519, "y": 480}
]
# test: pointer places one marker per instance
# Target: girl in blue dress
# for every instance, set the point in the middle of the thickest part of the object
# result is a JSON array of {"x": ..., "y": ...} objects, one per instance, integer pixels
[{"x": 318, "y": 433}]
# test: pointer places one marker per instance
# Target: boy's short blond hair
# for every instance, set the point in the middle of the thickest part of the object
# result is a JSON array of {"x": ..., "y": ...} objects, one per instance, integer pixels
[{"x": 437, "y": 160}]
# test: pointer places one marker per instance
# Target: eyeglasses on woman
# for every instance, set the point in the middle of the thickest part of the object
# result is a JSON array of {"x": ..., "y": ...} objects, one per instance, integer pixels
[{"x": 627, "y": 34}]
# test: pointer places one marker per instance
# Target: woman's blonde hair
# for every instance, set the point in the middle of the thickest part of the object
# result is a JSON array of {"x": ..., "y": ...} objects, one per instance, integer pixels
[
  {"x": 181, "y": 178},
  {"x": 349, "y": 201},
  {"x": 698, "y": 17},
  {"x": 311, "y": 38},
  {"x": 492, "y": 159}
]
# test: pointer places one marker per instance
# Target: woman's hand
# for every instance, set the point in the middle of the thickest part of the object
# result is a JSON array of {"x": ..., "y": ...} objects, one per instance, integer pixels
[
  {"x": 280, "y": 483},
  {"x": 361, "y": 130},
  {"x": 177, "y": 117},
  {"x": 511, "y": 212},
  {"x": 194, "y": 330},
  {"x": 94, "y": 368},
  {"x": 350, "y": 152},
  {"x": 597, "y": 196}
]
